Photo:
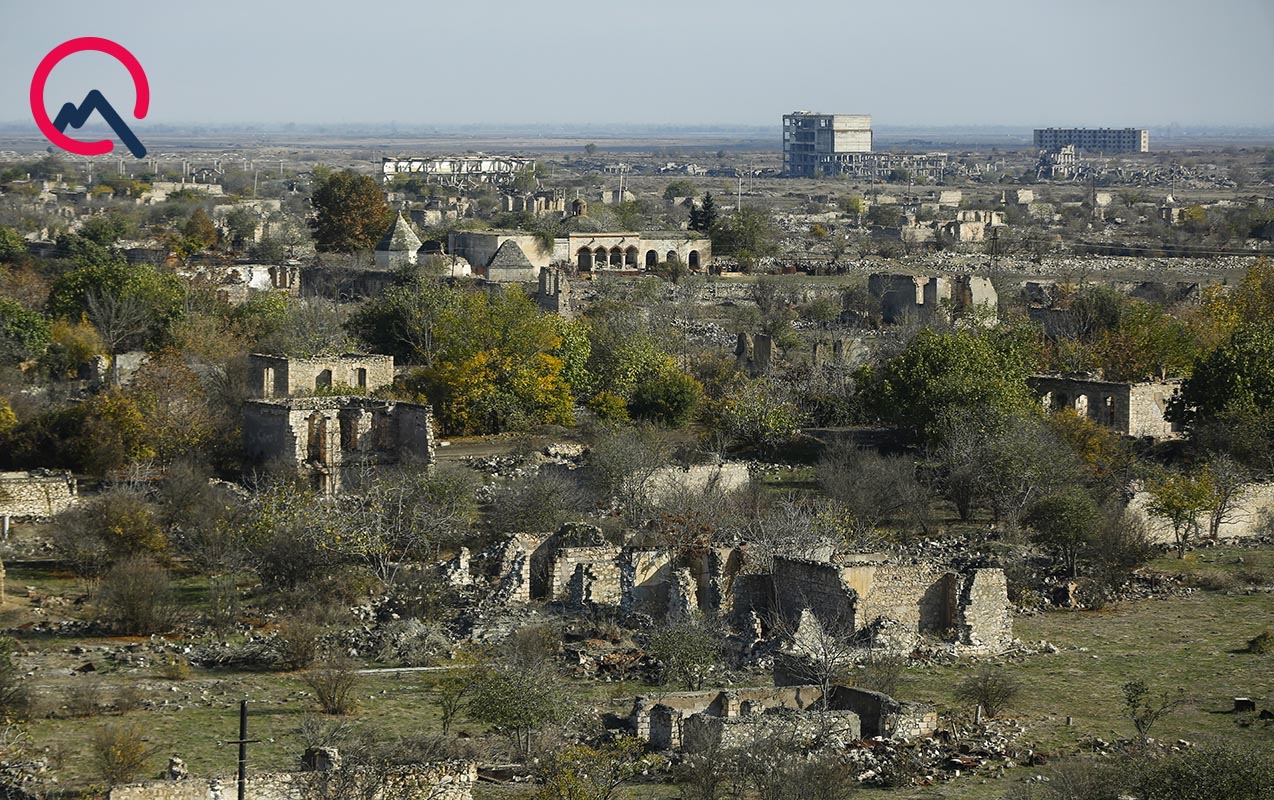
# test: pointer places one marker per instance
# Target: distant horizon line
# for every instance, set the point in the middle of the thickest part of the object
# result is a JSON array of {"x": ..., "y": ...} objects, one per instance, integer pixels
[{"x": 620, "y": 127}]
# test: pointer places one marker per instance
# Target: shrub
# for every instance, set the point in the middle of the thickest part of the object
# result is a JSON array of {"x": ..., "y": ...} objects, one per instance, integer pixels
[
  {"x": 15, "y": 700},
  {"x": 668, "y": 398},
  {"x": 298, "y": 642},
  {"x": 608, "y": 407},
  {"x": 84, "y": 699},
  {"x": 120, "y": 751},
  {"x": 990, "y": 687},
  {"x": 128, "y": 698},
  {"x": 136, "y": 598},
  {"x": 175, "y": 667},
  {"x": 333, "y": 684},
  {"x": 1232, "y": 771},
  {"x": 881, "y": 674},
  {"x": 1261, "y": 644}
]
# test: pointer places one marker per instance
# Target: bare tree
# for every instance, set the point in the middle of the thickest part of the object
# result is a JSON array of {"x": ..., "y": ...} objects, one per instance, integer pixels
[
  {"x": 1229, "y": 485},
  {"x": 120, "y": 320}
]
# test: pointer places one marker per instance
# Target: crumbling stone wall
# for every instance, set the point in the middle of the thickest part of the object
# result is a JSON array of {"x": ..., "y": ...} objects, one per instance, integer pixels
[
  {"x": 281, "y": 376},
  {"x": 902, "y": 600},
  {"x": 983, "y": 617},
  {"x": 701, "y": 732},
  {"x": 659, "y": 718},
  {"x": 329, "y": 438},
  {"x": 882, "y": 715},
  {"x": 440, "y": 780},
  {"x": 1252, "y": 514},
  {"x": 667, "y": 482},
  {"x": 37, "y": 494},
  {"x": 582, "y": 575}
]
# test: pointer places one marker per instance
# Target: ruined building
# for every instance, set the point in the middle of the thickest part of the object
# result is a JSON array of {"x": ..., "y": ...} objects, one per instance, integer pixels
[
  {"x": 922, "y": 297},
  {"x": 332, "y": 440},
  {"x": 817, "y": 144},
  {"x": 895, "y": 602},
  {"x": 398, "y": 247},
  {"x": 705, "y": 720},
  {"x": 1107, "y": 140},
  {"x": 554, "y": 293},
  {"x": 283, "y": 376},
  {"x": 1132, "y": 409}
]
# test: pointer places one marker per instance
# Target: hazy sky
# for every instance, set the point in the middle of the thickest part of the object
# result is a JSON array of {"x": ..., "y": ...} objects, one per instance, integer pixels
[{"x": 682, "y": 62}]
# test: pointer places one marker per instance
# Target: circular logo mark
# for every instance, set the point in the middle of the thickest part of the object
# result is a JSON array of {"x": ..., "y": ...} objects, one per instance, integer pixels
[{"x": 52, "y": 131}]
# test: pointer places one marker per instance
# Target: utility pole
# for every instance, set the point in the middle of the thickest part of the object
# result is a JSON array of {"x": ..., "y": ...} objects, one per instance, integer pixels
[{"x": 243, "y": 741}]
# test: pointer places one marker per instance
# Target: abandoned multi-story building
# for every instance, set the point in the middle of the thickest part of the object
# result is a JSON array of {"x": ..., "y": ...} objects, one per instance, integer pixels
[
  {"x": 284, "y": 376},
  {"x": 922, "y": 297},
  {"x": 819, "y": 144},
  {"x": 1132, "y": 409},
  {"x": 463, "y": 170},
  {"x": 332, "y": 440},
  {"x": 1108, "y": 140}
]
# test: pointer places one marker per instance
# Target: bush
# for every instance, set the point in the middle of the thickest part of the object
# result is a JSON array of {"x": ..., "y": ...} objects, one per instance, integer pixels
[
  {"x": 15, "y": 700},
  {"x": 668, "y": 398},
  {"x": 881, "y": 674},
  {"x": 608, "y": 407},
  {"x": 541, "y": 502},
  {"x": 84, "y": 699},
  {"x": 1261, "y": 644},
  {"x": 128, "y": 698},
  {"x": 685, "y": 651},
  {"x": 333, "y": 685},
  {"x": 136, "y": 598},
  {"x": 120, "y": 752},
  {"x": 1235, "y": 772},
  {"x": 990, "y": 687},
  {"x": 175, "y": 667},
  {"x": 298, "y": 642}
]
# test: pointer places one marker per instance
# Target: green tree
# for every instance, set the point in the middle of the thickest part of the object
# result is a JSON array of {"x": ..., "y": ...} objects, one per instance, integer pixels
[
  {"x": 581, "y": 772},
  {"x": 1179, "y": 498},
  {"x": 1066, "y": 523},
  {"x": 199, "y": 229},
  {"x": 686, "y": 651},
  {"x": 759, "y": 415},
  {"x": 940, "y": 372},
  {"x": 517, "y": 701},
  {"x": 401, "y": 320},
  {"x": 679, "y": 188},
  {"x": 704, "y": 216},
  {"x": 495, "y": 366},
  {"x": 749, "y": 234},
  {"x": 23, "y": 333},
  {"x": 350, "y": 213},
  {"x": 12, "y": 245},
  {"x": 1237, "y": 376},
  {"x": 668, "y": 398}
]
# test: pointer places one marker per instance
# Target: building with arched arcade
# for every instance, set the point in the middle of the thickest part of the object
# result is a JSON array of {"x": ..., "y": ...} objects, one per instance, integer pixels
[
  {"x": 1132, "y": 409},
  {"x": 492, "y": 253}
]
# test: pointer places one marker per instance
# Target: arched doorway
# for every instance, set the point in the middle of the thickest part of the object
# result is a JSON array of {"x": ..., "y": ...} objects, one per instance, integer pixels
[
  {"x": 599, "y": 258},
  {"x": 616, "y": 257},
  {"x": 630, "y": 257},
  {"x": 672, "y": 257},
  {"x": 694, "y": 259},
  {"x": 652, "y": 258},
  {"x": 323, "y": 380},
  {"x": 584, "y": 259}
]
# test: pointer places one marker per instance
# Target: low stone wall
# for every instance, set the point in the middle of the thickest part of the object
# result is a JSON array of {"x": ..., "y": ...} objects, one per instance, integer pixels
[
  {"x": 702, "y": 732},
  {"x": 36, "y": 495},
  {"x": 668, "y": 482},
  {"x": 1252, "y": 515},
  {"x": 441, "y": 780}
]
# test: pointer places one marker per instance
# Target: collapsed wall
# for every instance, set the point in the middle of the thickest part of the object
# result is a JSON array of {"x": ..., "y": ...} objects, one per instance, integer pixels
[{"x": 38, "y": 494}]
